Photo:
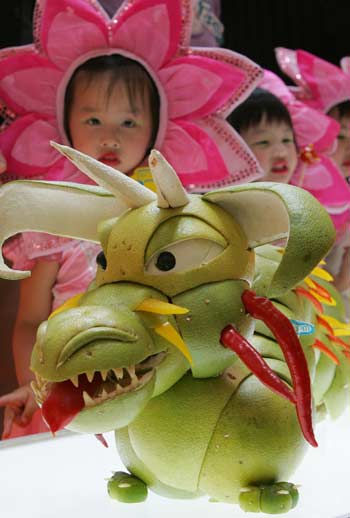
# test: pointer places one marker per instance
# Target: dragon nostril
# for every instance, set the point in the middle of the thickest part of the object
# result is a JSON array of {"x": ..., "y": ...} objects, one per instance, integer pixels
[{"x": 101, "y": 260}]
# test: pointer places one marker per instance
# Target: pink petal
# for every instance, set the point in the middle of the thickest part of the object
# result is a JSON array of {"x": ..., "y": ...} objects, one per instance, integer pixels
[
  {"x": 345, "y": 64},
  {"x": 313, "y": 127},
  {"x": 33, "y": 145},
  {"x": 287, "y": 60},
  {"x": 38, "y": 132},
  {"x": 239, "y": 162},
  {"x": 243, "y": 73},
  {"x": 327, "y": 82},
  {"x": 198, "y": 86},
  {"x": 203, "y": 155},
  {"x": 149, "y": 29},
  {"x": 276, "y": 86},
  {"x": 326, "y": 183},
  {"x": 183, "y": 151},
  {"x": 72, "y": 30},
  {"x": 28, "y": 83}
]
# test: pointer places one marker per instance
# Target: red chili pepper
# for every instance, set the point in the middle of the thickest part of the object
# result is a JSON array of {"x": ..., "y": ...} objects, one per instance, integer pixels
[
  {"x": 232, "y": 339},
  {"x": 263, "y": 309}
]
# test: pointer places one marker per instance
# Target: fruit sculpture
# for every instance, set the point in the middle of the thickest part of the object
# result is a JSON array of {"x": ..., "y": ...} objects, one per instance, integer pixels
[{"x": 161, "y": 347}]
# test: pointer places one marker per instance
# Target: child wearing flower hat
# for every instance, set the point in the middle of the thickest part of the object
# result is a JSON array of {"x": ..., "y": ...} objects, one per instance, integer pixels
[{"x": 112, "y": 88}]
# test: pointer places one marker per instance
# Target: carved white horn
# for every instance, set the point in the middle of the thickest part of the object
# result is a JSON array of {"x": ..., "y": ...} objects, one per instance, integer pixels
[
  {"x": 170, "y": 191},
  {"x": 117, "y": 183},
  {"x": 67, "y": 209}
]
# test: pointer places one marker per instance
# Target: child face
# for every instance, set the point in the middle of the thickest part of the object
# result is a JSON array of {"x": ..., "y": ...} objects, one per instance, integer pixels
[
  {"x": 109, "y": 128},
  {"x": 341, "y": 156},
  {"x": 273, "y": 146}
]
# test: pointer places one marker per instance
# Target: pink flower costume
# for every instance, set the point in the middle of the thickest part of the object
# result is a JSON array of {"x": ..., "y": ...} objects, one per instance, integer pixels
[
  {"x": 322, "y": 85},
  {"x": 198, "y": 88},
  {"x": 315, "y": 135}
]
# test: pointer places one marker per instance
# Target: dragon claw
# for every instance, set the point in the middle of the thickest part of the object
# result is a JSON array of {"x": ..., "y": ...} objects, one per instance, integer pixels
[
  {"x": 276, "y": 498},
  {"x": 127, "y": 488}
]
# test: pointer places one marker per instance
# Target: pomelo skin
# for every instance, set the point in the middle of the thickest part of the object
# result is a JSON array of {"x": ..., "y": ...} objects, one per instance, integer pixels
[
  {"x": 208, "y": 427},
  {"x": 140, "y": 351}
]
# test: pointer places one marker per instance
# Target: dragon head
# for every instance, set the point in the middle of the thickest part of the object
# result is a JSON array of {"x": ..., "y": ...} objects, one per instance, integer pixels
[{"x": 170, "y": 276}]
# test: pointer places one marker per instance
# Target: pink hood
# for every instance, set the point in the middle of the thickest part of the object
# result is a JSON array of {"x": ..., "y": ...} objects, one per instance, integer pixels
[
  {"x": 315, "y": 134},
  {"x": 198, "y": 88}
]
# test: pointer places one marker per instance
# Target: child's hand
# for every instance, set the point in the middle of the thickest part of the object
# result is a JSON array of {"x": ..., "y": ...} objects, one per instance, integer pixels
[
  {"x": 19, "y": 406},
  {"x": 3, "y": 164}
]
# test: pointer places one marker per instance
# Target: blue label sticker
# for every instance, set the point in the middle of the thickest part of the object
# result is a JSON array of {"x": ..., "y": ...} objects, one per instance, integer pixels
[{"x": 303, "y": 328}]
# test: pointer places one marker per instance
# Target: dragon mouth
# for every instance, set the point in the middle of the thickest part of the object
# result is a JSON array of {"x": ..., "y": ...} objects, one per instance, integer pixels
[{"x": 62, "y": 401}]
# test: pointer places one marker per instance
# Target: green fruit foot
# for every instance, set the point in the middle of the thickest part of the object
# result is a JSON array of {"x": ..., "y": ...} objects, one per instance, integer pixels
[
  {"x": 126, "y": 488},
  {"x": 276, "y": 498}
]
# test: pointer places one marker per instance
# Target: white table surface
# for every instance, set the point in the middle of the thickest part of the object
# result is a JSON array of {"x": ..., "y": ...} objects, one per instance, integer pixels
[{"x": 65, "y": 478}]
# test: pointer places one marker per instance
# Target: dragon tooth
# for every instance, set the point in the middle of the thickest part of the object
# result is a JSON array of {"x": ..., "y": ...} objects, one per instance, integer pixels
[
  {"x": 87, "y": 399},
  {"x": 131, "y": 371},
  {"x": 134, "y": 379},
  {"x": 90, "y": 376},
  {"x": 104, "y": 394},
  {"x": 75, "y": 380},
  {"x": 104, "y": 374},
  {"x": 118, "y": 373}
]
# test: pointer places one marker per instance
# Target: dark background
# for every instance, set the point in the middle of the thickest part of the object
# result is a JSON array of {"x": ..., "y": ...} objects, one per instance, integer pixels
[
  {"x": 252, "y": 27},
  {"x": 256, "y": 27}
]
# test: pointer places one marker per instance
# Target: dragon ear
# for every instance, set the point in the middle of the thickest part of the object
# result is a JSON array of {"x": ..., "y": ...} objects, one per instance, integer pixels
[
  {"x": 69, "y": 210},
  {"x": 170, "y": 191},
  {"x": 117, "y": 183},
  {"x": 271, "y": 212}
]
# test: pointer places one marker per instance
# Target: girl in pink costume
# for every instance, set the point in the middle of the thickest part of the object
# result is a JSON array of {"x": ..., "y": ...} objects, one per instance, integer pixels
[
  {"x": 156, "y": 92},
  {"x": 326, "y": 87},
  {"x": 266, "y": 126},
  {"x": 278, "y": 127}
]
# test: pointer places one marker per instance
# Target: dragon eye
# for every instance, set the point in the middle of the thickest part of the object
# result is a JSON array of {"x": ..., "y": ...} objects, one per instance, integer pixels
[
  {"x": 165, "y": 261},
  {"x": 183, "y": 256},
  {"x": 101, "y": 260}
]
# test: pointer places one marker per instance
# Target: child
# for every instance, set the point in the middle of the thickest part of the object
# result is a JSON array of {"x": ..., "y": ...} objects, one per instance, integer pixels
[
  {"x": 111, "y": 113},
  {"x": 265, "y": 124},
  {"x": 326, "y": 87},
  {"x": 113, "y": 89},
  {"x": 341, "y": 156}
]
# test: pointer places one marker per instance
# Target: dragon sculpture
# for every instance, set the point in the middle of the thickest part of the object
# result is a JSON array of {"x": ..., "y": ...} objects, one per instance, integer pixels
[{"x": 162, "y": 348}]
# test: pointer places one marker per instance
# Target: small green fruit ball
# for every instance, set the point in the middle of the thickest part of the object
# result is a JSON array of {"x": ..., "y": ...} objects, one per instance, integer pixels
[{"x": 126, "y": 488}]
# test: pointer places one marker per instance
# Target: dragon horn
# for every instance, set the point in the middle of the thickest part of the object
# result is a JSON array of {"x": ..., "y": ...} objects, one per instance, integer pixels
[
  {"x": 170, "y": 191},
  {"x": 117, "y": 183}
]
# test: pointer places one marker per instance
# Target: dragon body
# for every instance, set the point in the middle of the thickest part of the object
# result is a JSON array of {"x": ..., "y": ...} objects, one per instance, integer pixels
[{"x": 141, "y": 351}]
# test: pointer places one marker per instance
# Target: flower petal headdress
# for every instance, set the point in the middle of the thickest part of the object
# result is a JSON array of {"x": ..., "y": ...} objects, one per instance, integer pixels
[
  {"x": 310, "y": 126},
  {"x": 321, "y": 85},
  {"x": 315, "y": 134},
  {"x": 198, "y": 88}
]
